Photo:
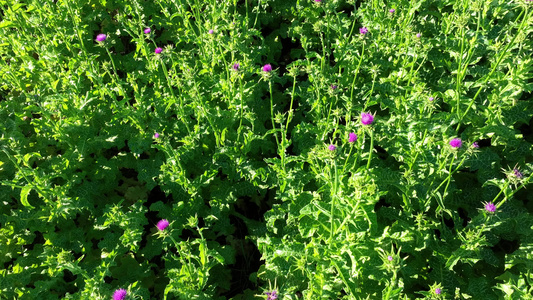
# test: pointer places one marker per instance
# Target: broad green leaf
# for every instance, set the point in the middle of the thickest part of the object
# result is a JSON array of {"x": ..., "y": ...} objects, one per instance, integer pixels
[{"x": 24, "y": 196}]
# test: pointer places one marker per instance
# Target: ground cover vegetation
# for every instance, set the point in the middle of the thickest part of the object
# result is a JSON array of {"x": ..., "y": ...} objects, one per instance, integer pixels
[{"x": 271, "y": 149}]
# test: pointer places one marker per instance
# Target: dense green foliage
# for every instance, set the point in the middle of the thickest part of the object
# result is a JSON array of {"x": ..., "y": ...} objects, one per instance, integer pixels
[{"x": 100, "y": 140}]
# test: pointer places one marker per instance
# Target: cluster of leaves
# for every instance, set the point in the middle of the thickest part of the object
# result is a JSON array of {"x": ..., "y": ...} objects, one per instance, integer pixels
[{"x": 101, "y": 140}]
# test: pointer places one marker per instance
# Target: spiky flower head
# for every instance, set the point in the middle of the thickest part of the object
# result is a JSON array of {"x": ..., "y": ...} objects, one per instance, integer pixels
[
  {"x": 147, "y": 30},
  {"x": 101, "y": 37},
  {"x": 363, "y": 30},
  {"x": 389, "y": 258},
  {"x": 490, "y": 207},
  {"x": 517, "y": 173},
  {"x": 267, "y": 68},
  {"x": 332, "y": 147},
  {"x": 156, "y": 135},
  {"x": 211, "y": 31},
  {"x": 236, "y": 66},
  {"x": 431, "y": 98},
  {"x": 366, "y": 118},
  {"x": 475, "y": 145},
  {"x": 456, "y": 143},
  {"x": 392, "y": 10},
  {"x": 418, "y": 35},
  {"x": 438, "y": 291},
  {"x": 120, "y": 294},
  {"x": 158, "y": 50},
  {"x": 352, "y": 137},
  {"x": 272, "y": 295},
  {"x": 163, "y": 224}
]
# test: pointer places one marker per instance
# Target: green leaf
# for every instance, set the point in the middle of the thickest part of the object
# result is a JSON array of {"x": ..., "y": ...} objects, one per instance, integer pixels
[{"x": 24, "y": 196}]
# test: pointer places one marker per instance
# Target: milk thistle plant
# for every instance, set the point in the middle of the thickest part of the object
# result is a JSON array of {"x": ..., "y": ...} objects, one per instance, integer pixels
[
  {"x": 120, "y": 294},
  {"x": 342, "y": 150}
]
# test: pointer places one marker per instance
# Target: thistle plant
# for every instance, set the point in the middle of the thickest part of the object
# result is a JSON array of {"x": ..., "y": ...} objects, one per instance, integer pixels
[
  {"x": 120, "y": 294},
  {"x": 219, "y": 147}
]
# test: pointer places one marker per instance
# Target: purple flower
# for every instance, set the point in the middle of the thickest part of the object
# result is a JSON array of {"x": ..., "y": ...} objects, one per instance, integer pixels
[
  {"x": 392, "y": 10},
  {"x": 162, "y": 225},
  {"x": 158, "y": 50},
  {"x": 418, "y": 35},
  {"x": 363, "y": 30},
  {"x": 156, "y": 135},
  {"x": 272, "y": 295},
  {"x": 120, "y": 294},
  {"x": 210, "y": 31},
  {"x": 475, "y": 145},
  {"x": 389, "y": 258},
  {"x": 367, "y": 119},
  {"x": 318, "y": 1},
  {"x": 236, "y": 66},
  {"x": 456, "y": 143},
  {"x": 332, "y": 147},
  {"x": 438, "y": 291},
  {"x": 352, "y": 137},
  {"x": 517, "y": 173},
  {"x": 334, "y": 87},
  {"x": 267, "y": 68},
  {"x": 147, "y": 30},
  {"x": 431, "y": 98},
  {"x": 101, "y": 37},
  {"x": 490, "y": 207}
]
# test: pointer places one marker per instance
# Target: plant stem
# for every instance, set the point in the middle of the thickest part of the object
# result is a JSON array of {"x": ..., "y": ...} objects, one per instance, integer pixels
[
  {"x": 165, "y": 71},
  {"x": 371, "y": 149},
  {"x": 347, "y": 158},
  {"x": 447, "y": 181},
  {"x": 359, "y": 151},
  {"x": 333, "y": 197},
  {"x": 272, "y": 111},
  {"x": 241, "y": 107},
  {"x": 357, "y": 71}
]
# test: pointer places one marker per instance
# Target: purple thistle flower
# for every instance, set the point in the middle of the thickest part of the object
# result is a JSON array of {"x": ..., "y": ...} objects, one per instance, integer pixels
[
  {"x": 352, "y": 137},
  {"x": 367, "y": 119},
  {"x": 156, "y": 135},
  {"x": 490, "y": 207},
  {"x": 332, "y": 147},
  {"x": 158, "y": 50},
  {"x": 162, "y": 225},
  {"x": 431, "y": 98},
  {"x": 456, "y": 143},
  {"x": 363, "y": 30},
  {"x": 236, "y": 66},
  {"x": 272, "y": 295},
  {"x": 318, "y": 1},
  {"x": 101, "y": 37},
  {"x": 120, "y": 294},
  {"x": 475, "y": 145},
  {"x": 211, "y": 31},
  {"x": 334, "y": 87},
  {"x": 438, "y": 291},
  {"x": 389, "y": 258},
  {"x": 392, "y": 10},
  {"x": 267, "y": 68},
  {"x": 418, "y": 35},
  {"x": 147, "y": 30},
  {"x": 517, "y": 173}
]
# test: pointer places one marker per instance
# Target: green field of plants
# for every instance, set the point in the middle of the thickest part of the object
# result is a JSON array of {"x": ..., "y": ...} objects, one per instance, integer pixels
[{"x": 266, "y": 149}]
